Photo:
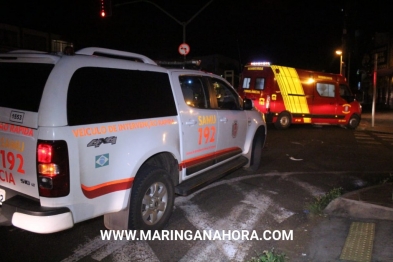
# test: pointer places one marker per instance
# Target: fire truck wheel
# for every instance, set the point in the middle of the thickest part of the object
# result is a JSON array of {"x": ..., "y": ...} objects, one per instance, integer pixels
[
  {"x": 256, "y": 154},
  {"x": 283, "y": 121},
  {"x": 353, "y": 122},
  {"x": 152, "y": 198}
]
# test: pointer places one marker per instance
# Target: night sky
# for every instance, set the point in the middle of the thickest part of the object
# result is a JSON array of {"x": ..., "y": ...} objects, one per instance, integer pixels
[{"x": 302, "y": 34}]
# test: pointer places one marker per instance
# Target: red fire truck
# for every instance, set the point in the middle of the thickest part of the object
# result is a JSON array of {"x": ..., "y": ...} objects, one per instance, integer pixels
[{"x": 294, "y": 96}]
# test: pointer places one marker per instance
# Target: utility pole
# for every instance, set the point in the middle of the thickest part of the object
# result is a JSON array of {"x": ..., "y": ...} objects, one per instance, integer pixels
[{"x": 344, "y": 44}]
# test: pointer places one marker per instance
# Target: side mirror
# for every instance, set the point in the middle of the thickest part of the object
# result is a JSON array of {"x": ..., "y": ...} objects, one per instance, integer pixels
[{"x": 247, "y": 104}]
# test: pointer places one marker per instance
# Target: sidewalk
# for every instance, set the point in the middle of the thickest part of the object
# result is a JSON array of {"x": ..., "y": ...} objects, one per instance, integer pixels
[
  {"x": 359, "y": 227},
  {"x": 362, "y": 220},
  {"x": 383, "y": 121}
]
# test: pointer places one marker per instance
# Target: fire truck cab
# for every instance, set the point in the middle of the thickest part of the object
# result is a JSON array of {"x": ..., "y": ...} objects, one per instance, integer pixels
[{"x": 294, "y": 96}]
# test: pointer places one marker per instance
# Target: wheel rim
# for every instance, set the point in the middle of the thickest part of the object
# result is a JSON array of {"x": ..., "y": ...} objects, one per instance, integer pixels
[
  {"x": 154, "y": 203},
  {"x": 284, "y": 121},
  {"x": 353, "y": 122}
]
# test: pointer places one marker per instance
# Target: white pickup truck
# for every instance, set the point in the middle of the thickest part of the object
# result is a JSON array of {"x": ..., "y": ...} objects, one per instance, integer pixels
[{"x": 106, "y": 132}]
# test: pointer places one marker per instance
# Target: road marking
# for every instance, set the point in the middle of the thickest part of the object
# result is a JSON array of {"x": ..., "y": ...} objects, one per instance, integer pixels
[
  {"x": 371, "y": 139},
  {"x": 84, "y": 250},
  {"x": 108, "y": 249},
  {"x": 135, "y": 251},
  {"x": 280, "y": 214},
  {"x": 241, "y": 217},
  {"x": 180, "y": 199},
  {"x": 122, "y": 250},
  {"x": 313, "y": 190}
]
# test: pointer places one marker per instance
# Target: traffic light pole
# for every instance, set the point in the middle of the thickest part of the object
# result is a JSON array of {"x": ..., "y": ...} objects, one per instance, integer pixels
[{"x": 183, "y": 24}]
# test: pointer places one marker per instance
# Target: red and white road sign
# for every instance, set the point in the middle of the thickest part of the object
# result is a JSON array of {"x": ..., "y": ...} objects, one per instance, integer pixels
[{"x": 184, "y": 49}]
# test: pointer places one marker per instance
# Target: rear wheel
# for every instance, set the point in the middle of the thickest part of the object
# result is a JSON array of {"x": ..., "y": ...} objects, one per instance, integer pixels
[
  {"x": 152, "y": 198},
  {"x": 353, "y": 122},
  {"x": 283, "y": 120}
]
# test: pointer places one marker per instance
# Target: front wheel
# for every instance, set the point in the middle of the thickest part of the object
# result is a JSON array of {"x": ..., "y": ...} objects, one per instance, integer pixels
[
  {"x": 256, "y": 153},
  {"x": 283, "y": 121},
  {"x": 152, "y": 198},
  {"x": 353, "y": 122}
]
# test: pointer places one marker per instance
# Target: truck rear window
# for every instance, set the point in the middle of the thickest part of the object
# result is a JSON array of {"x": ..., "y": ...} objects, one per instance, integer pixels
[{"x": 22, "y": 85}]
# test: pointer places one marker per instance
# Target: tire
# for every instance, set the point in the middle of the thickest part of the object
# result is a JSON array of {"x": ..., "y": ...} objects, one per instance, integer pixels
[
  {"x": 353, "y": 122},
  {"x": 283, "y": 121},
  {"x": 256, "y": 153},
  {"x": 152, "y": 198}
]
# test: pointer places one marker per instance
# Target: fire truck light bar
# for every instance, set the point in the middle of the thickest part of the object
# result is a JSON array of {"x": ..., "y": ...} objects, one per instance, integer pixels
[{"x": 260, "y": 63}]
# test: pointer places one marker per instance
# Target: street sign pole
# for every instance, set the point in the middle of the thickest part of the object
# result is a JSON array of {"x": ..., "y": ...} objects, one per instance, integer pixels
[{"x": 374, "y": 89}]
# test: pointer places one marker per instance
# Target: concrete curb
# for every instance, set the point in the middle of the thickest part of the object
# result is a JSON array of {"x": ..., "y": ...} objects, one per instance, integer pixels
[
  {"x": 347, "y": 206},
  {"x": 343, "y": 207}
]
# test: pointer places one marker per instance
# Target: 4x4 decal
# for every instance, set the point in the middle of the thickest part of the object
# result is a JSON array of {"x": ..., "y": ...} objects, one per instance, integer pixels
[{"x": 107, "y": 140}]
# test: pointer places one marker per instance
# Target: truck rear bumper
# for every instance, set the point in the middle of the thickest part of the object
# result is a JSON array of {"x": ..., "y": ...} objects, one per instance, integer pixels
[{"x": 28, "y": 214}]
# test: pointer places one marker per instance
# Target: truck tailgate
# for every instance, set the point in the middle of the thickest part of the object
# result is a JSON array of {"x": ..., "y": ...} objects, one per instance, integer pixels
[{"x": 18, "y": 158}]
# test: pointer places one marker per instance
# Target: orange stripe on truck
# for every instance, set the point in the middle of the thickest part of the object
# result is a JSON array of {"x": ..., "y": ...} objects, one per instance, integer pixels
[
  {"x": 106, "y": 188},
  {"x": 123, "y": 184},
  {"x": 197, "y": 160}
]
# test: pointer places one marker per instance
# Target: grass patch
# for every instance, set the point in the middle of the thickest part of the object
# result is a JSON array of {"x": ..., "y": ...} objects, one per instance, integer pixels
[
  {"x": 269, "y": 256},
  {"x": 320, "y": 202}
]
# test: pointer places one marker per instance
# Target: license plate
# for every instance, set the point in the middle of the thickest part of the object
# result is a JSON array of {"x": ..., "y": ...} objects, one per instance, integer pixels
[{"x": 2, "y": 196}]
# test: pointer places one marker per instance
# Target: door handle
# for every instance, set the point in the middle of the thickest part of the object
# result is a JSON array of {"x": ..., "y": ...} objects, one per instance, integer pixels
[
  {"x": 191, "y": 122},
  {"x": 224, "y": 119}
]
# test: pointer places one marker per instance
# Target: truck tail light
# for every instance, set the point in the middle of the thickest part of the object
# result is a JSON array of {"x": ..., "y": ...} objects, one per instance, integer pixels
[{"x": 53, "y": 168}]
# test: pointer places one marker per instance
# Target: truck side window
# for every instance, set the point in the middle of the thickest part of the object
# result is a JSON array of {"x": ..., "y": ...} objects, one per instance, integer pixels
[
  {"x": 346, "y": 93},
  {"x": 195, "y": 93},
  {"x": 260, "y": 83},
  {"x": 246, "y": 83},
  {"x": 101, "y": 95},
  {"x": 325, "y": 89},
  {"x": 226, "y": 97}
]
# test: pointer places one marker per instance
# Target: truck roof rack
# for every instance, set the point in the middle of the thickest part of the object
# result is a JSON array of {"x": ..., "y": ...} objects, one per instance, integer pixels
[
  {"x": 98, "y": 51},
  {"x": 25, "y": 51}
]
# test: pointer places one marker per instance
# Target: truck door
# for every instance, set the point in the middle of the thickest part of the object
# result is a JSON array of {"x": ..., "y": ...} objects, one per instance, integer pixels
[
  {"x": 231, "y": 121},
  {"x": 198, "y": 123},
  {"x": 324, "y": 104}
]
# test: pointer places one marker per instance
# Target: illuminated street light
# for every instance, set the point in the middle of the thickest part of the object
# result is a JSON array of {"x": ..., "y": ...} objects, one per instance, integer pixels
[{"x": 340, "y": 53}]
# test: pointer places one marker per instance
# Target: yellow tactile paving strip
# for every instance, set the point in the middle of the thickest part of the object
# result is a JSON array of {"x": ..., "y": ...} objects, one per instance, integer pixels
[{"x": 359, "y": 243}]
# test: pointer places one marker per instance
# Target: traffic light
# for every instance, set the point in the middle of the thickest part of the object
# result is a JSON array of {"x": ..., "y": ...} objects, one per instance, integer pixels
[{"x": 105, "y": 8}]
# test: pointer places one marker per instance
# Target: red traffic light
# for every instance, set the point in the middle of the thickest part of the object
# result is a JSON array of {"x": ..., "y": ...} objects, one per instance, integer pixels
[{"x": 105, "y": 8}]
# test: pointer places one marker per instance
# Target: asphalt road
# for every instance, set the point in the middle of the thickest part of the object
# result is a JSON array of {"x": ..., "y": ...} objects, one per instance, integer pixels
[{"x": 298, "y": 165}]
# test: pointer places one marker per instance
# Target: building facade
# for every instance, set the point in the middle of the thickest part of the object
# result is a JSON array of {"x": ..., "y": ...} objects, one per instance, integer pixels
[
  {"x": 383, "y": 49},
  {"x": 14, "y": 37}
]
